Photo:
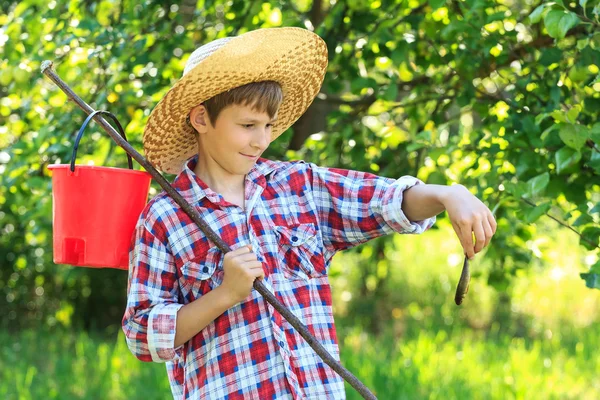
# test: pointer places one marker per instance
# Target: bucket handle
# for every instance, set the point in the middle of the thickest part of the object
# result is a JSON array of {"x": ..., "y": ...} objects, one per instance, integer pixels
[{"x": 80, "y": 134}]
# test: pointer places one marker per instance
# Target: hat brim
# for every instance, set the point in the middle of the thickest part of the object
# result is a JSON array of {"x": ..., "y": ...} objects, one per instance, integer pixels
[{"x": 294, "y": 57}]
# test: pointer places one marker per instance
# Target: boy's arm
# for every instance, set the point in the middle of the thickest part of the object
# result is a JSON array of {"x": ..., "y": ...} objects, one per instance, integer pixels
[
  {"x": 152, "y": 299},
  {"x": 424, "y": 201},
  {"x": 354, "y": 207},
  {"x": 195, "y": 316},
  {"x": 156, "y": 325}
]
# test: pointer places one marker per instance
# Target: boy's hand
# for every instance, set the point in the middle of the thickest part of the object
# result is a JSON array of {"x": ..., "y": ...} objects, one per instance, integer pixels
[
  {"x": 469, "y": 216},
  {"x": 240, "y": 268}
]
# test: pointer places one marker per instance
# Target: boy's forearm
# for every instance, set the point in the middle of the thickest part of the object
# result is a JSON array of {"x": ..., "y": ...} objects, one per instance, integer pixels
[
  {"x": 424, "y": 201},
  {"x": 195, "y": 316}
]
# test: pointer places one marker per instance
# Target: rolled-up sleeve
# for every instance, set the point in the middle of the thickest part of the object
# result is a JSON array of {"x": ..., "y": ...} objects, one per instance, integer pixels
[
  {"x": 354, "y": 207},
  {"x": 149, "y": 322}
]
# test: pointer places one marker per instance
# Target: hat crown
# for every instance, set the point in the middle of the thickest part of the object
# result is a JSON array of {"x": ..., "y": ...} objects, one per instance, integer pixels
[{"x": 203, "y": 52}]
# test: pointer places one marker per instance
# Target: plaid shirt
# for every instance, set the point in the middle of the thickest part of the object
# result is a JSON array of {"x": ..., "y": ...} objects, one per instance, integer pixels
[{"x": 298, "y": 215}]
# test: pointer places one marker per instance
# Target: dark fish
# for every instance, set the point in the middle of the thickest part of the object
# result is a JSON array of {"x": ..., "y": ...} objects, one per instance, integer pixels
[{"x": 463, "y": 283}]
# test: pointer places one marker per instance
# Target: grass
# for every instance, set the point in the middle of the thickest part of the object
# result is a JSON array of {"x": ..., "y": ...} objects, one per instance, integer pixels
[
  {"x": 67, "y": 365},
  {"x": 465, "y": 366},
  {"x": 432, "y": 365}
]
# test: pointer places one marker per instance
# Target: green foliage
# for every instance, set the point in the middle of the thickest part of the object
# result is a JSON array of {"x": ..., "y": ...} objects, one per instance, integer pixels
[{"x": 469, "y": 91}]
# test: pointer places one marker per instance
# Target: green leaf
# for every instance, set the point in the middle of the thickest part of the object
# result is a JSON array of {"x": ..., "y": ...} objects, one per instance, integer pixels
[
  {"x": 573, "y": 113},
  {"x": 591, "y": 234},
  {"x": 415, "y": 146},
  {"x": 498, "y": 16},
  {"x": 594, "y": 161},
  {"x": 400, "y": 53},
  {"x": 583, "y": 219},
  {"x": 536, "y": 185},
  {"x": 595, "y": 133},
  {"x": 391, "y": 93},
  {"x": 540, "y": 117},
  {"x": 534, "y": 213},
  {"x": 548, "y": 130},
  {"x": 559, "y": 116},
  {"x": 595, "y": 269},
  {"x": 536, "y": 15},
  {"x": 558, "y": 22},
  {"x": 583, "y": 43},
  {"x": 435, "y": 4},
  {"x": 591, "y": 280},
  {"x": 582, "y": 3},
  {"x": 596, "y": 209},
  {"x": 550, "y": 56},
  {"x": 573, "y": 135},
  {"x": 360, "y": 83},
  {"x": 565, "y": 158},
  {"x": 518, "y": 189}
]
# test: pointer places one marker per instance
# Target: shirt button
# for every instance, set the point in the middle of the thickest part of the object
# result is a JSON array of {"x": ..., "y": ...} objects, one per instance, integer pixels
[
  {"x": 294, "y": 238},
  {"x": 205, "y": 269},
  {"x": 281, "y": 343}
]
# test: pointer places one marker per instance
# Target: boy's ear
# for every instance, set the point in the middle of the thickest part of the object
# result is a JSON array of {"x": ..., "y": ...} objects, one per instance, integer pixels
[{"x": 199, "y": 118}]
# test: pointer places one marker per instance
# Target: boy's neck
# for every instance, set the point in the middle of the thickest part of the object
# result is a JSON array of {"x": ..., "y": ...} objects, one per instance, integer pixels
[{"x": 226, "y": 185}]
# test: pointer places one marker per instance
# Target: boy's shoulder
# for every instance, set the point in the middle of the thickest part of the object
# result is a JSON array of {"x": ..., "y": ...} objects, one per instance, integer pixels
[{"x": 157, "y": 210}]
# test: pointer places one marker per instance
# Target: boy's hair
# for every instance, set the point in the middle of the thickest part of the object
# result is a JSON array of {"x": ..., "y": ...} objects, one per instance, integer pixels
[{"x": 264, "y": 97}]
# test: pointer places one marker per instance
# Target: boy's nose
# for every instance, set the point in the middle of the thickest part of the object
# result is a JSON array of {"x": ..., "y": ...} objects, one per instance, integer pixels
[{"x": 262, "y": 138}]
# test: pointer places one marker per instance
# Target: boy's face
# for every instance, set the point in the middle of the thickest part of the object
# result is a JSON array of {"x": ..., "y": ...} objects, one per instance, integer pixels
[{"x": 240, "y": 135}]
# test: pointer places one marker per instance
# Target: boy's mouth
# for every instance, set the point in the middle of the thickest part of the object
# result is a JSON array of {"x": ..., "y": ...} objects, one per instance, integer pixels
[{"x": 246, "y": 155}]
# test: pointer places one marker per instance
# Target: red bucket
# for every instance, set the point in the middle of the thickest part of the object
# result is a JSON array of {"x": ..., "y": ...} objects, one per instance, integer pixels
[{"x": 95, "y": 209}]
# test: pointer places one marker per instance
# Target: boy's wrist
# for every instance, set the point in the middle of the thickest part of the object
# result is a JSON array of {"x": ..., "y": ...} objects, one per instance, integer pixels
[
  {"x": 447, "y": 192},
  {"x": 225, "y": 296}
]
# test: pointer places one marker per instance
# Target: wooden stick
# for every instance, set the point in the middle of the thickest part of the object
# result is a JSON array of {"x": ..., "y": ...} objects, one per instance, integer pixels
[{"x": 46, "y": 68}]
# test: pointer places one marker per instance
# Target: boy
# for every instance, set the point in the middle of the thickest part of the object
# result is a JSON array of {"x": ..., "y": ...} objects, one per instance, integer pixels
[{"x": 193, "y": 307}]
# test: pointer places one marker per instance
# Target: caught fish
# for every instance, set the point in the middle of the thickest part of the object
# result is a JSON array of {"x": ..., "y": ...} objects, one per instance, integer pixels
[{"x": 463, "y": 283}]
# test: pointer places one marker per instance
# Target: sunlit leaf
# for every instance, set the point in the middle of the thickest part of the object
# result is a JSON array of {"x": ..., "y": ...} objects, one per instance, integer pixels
[
  {"x": 558, "y": 22},
  {"x": 566, "y": 157},
  {"x": 573, "y": 135},
  {"x": 537, "y": 185},
  {"x": 534, "y": 213},
  {"x": 536, "y": 15}
]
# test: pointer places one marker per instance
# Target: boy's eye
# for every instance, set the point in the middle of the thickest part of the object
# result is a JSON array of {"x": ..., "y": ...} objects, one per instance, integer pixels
[{"x": 251, "y": 125}]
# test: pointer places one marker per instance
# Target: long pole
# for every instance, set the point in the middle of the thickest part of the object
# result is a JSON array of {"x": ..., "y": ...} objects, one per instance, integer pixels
[{"x": 47, "y": 70}]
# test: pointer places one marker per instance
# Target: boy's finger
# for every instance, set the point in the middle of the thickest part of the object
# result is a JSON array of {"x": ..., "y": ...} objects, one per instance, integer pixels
[
  {"x": 252, "y": 265},
  {"x": 492, "y": 223},
  {"x": 461, "y": 238},
  {"x": 258, "y": 272},
  {"x": 479, "y": 237},
  {"x": 466, "y": 239},
  {"x": 246, "y": 257},
  {"x": 241, "y": 250},
  {"x": 488, "y": 232}
]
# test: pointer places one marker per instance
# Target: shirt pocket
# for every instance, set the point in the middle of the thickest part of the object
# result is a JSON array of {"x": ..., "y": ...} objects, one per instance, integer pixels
[
  {"x": 202, "y": 274},
  {"x": 300, "y": 251}
]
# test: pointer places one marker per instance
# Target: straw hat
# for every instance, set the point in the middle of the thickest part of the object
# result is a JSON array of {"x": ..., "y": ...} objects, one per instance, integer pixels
[{"x": 294, "y": 57}]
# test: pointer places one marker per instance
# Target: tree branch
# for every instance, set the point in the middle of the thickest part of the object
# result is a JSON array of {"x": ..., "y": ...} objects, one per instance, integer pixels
[{"x": 529, "y": 202}]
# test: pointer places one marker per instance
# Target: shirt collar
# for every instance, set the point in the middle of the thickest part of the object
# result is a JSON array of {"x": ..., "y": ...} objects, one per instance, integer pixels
[{"x": 194, "y": 189}]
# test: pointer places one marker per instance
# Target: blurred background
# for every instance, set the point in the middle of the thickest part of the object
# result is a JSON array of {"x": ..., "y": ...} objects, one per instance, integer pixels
[{"x": 500, "y": 96}]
